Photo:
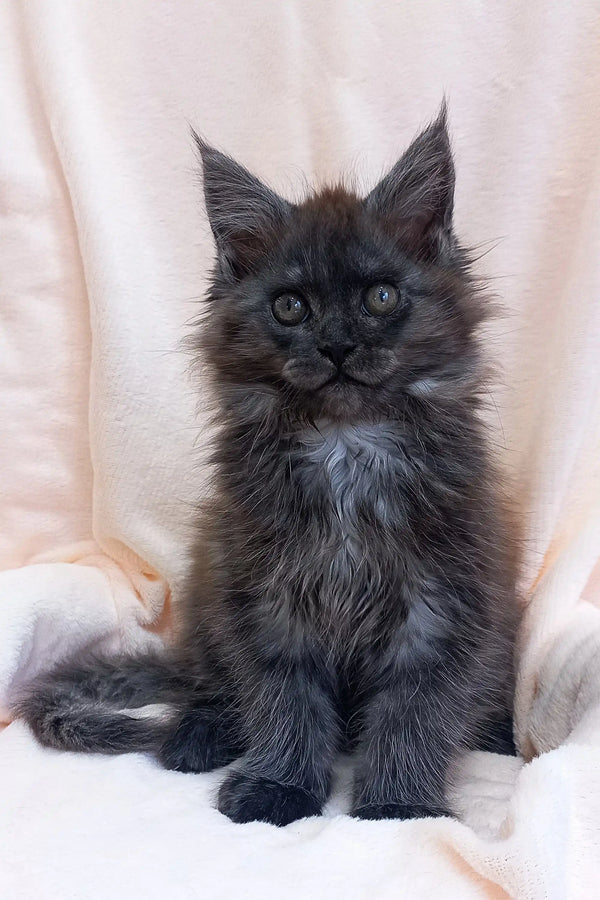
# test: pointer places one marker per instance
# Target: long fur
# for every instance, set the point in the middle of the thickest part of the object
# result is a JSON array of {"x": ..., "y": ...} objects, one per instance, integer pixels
[{"x": 353, "y": 584}]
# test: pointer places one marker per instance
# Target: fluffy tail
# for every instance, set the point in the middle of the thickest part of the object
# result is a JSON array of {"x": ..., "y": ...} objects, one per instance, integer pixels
[{"x": 92, "y": 707}]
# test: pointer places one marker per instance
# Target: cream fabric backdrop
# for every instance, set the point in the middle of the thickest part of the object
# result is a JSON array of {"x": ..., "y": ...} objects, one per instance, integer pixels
[{"x": 104, "y": 250}]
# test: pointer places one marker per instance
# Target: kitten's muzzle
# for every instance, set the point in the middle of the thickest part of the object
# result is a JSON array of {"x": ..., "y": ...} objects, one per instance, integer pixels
[
  {"x": 337, "y": 353},
  {"x": 340, "y": 377}
]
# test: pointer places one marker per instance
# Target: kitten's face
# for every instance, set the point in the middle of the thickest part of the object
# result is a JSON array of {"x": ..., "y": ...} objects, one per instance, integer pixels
[{"x": 340, "y": 305}]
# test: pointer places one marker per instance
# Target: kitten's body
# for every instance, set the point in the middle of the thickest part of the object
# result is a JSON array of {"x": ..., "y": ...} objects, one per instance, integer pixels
[{"x": 354, "y": 580}]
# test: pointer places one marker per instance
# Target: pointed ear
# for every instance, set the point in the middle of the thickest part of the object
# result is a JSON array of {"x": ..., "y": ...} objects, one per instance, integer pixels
[
  {"x": 244, "y": 214},
  {"x": 417, "y": 196}
]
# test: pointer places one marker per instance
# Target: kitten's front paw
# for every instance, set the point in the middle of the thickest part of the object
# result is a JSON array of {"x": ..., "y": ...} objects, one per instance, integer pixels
[
  {"x": 397, "y": 811},
  {"x": 197, "y": 745},
  {"x": 244, "y": 798}
]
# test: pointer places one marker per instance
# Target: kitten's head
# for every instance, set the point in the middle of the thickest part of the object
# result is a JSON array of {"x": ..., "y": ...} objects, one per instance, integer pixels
[{"x": 341, "y": 306}]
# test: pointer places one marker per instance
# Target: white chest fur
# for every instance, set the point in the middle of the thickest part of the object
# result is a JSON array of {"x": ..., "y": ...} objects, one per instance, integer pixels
[
  {"x": 349, "y": 474},
  {"x": 353, "y": 464},
  {"x": 357, "y": 476}
]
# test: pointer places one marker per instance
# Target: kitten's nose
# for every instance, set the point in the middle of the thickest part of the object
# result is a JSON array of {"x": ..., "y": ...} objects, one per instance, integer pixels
[{"x": 337, "y": 353}]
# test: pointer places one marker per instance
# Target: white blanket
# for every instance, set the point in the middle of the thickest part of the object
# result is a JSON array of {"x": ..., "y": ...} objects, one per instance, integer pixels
[{"x": 104, "y": 250}]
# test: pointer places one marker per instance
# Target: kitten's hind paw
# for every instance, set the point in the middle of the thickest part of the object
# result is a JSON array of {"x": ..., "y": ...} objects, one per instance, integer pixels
[
  {"x": 398, "y": 811},
  {"x": 198, "y": 744},
  {"x": 244, "y": 798}
]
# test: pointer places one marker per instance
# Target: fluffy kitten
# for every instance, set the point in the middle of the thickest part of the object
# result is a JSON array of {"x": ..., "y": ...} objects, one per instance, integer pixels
[{"x": 354, "y": 583}]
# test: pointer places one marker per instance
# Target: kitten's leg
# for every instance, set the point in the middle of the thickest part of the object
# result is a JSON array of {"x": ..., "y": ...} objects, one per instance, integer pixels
[
  {"x": 293, "y": 730},
  {"x": 414, "y": 728},
  {"x": 206, "y": 735}
]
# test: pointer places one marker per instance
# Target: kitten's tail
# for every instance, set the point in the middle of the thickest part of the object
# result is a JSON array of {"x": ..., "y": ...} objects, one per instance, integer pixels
[{"x": 96, "y": 706}]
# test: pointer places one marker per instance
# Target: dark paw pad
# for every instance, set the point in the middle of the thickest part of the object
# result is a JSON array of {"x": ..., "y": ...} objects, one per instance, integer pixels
[
  {"x": 197, "y": 745},
  {"x": 397, "y": 811},
  {"x": 244, "y": 798}
]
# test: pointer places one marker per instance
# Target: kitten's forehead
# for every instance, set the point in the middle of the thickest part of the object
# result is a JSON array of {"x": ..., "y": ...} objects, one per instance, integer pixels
[
  {"x": 332, "y": 213},
  {"x": 329, "y": 238},
  {"x": 335, "y": 202}
]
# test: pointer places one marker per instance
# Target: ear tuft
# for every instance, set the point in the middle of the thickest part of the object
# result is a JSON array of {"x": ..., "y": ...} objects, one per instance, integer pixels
[
  {"x": 244, "y": 214},
  {"x": 417, "y": 196}
]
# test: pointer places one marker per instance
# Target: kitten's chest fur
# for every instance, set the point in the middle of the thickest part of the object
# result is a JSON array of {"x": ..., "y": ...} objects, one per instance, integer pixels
[
  {"x": 350, "y": 477},
  {"x": 351, "y": 469}
]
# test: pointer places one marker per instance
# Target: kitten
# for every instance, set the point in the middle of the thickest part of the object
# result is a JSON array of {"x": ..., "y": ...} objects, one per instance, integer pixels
[{"x": 353, "y": 584}]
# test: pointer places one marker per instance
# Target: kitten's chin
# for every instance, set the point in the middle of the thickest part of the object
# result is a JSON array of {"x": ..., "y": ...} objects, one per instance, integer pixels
[
  {"x": 343, "y": 400},
  {"x": 337, "y": 396}
]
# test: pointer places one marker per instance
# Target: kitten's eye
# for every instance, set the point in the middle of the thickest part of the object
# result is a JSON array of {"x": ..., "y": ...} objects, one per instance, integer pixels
[
  {"x": 380, "y": 299},
  {"x": 290, "y": 309}
]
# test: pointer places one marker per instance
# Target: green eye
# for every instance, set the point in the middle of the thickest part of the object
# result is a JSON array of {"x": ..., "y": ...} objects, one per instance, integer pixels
[
  {"x": 380, "y": 299},
  {"x": 290, "y": 309}
]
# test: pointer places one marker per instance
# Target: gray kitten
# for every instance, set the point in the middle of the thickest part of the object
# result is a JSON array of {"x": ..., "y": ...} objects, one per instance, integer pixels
[{"x": 353, "y": 585}]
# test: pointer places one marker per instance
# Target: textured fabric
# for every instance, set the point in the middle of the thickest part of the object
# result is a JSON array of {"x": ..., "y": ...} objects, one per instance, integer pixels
[{"x": 103, "y": 253}]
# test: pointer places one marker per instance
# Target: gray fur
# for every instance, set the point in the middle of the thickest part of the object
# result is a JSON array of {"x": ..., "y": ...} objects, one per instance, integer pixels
[{"x": 353, "y": 579}]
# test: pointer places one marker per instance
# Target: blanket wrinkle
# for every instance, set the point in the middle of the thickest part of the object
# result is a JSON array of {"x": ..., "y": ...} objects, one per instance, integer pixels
[{"x": 124, "y": 569}]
